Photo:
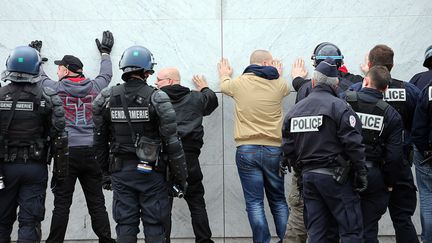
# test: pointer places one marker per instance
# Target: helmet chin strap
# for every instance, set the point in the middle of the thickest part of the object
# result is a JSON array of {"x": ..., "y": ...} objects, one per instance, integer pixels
[{"x": 142, "y": 75}]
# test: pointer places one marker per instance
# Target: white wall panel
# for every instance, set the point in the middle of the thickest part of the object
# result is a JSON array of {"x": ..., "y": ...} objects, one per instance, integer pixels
[{"x": 193, "y": 35}]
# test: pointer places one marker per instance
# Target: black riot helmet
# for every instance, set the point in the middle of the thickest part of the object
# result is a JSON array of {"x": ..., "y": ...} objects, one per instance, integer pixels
[
  {"x": 22, "y": 65},
  {"x": 428, "y": 58},
  {"x": 136, "y": 59},
  {"x": 327, "y": 49}
]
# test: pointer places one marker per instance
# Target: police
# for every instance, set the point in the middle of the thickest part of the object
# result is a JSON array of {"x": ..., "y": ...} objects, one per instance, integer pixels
[
  {"x": 382, "y": 136},
  {"x": 139, "y": 125},
  {"x": 327, "y": 189},
  {"x": 422, "y": 139},
  {"x": 310, "y": 123},
  {"x": 32, "y": 121},
  {"x": 403, "y": 97},
  {"x": 321, "y": 52},
  {"x": 296, "y": 231},
  {"x": 422, "y": 79}
]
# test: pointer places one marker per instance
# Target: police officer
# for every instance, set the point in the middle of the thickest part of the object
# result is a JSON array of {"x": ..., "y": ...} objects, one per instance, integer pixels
[
  {"x": 422, "y": 139},
  {"x": 139, "y": 123},
  {"x": 403, "y": 97},
  {"x": 32, "y": 120},
  {"x": 296, "y": 231},
  {"x": 422, "y": 79},
  {"x": 382, "y": 136},
  {"x": 319, "y": 119},
  {"x": 323, "y": 50}
]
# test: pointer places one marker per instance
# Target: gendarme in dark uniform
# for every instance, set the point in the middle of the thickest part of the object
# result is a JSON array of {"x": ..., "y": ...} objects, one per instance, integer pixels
[
  {"x": 134, "y": 124},
  {"x": 382, "y": 136},
  {"x": 31, "y": 120},
  {"x": 316, "y": 131}
]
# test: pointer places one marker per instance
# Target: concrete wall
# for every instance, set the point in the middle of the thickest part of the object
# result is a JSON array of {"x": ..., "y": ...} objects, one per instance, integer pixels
[{"x": 193, "y": 35}]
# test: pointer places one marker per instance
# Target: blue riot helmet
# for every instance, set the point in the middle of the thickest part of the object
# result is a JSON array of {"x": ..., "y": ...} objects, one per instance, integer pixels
[
  {"x": 327, "y": 49},
  {"x": 136, "y": 59},
  {"x": 22, "y": 65},
  {"x": 428, "y": 58}
]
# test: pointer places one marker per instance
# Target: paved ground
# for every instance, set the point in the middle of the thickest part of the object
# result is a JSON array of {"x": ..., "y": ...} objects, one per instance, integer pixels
[{"x": 382, "y": 239}]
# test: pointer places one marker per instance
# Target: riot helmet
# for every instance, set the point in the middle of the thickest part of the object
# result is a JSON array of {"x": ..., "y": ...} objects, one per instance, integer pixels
[
  {"x": 22, "y": 65},
  {"x": 136, "y": 59},
  {"x": 325, "y": 50},
  {"x": 428, "y": 58}
]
